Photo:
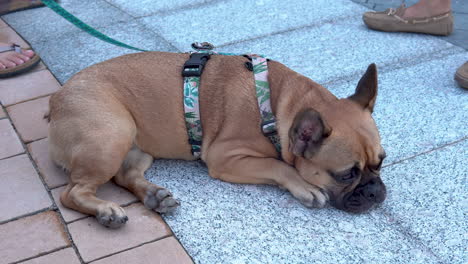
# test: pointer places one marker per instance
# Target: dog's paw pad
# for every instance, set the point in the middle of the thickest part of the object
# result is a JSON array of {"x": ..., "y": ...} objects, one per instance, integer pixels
[
  {"x": 113, "y": 217},
  {"x": 160, "y": 200}
]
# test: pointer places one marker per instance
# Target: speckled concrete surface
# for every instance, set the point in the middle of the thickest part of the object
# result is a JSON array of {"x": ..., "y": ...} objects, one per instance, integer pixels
[
  {"x": 430, "y": 200},
  {"x": 231, "y": 21},
  {"x": 416, "y": 113},
  {"x": 343, "y": 49},
  {"x": 420, "y": 111},
  {"x": 41, "y": 24},
  {"x": 92, "y": 50}
]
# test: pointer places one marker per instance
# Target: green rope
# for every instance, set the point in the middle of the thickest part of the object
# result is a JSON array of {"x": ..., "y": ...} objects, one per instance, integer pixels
[{"x": 80, "y": 24}]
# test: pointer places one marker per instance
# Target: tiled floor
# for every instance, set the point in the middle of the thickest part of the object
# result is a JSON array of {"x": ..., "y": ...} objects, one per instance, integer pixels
[{"x": 34, "y": 226}]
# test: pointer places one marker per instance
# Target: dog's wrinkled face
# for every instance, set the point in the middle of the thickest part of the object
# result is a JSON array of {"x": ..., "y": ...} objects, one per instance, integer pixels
[{"x": 339, "y": 148}]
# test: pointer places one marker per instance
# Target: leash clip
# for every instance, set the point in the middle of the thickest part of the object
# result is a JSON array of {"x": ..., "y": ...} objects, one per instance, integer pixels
[
  {"x": 202, "y": 46},
  {"x": 193, "y": 67}
]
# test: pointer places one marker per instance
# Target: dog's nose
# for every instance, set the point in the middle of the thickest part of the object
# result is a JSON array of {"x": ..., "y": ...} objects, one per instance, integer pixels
[{"x": 374, "y": 190}]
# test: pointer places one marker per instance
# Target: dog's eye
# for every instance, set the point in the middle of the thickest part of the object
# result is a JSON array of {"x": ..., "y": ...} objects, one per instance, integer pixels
[
  {"x": 353, "y": 173},
  {"x": 347, "y": 177}
]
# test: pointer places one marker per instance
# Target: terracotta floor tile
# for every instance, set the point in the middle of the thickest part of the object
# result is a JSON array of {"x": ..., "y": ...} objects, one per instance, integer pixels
[
  {"x": 30, "y": 236},
  {"x": 9, "y": 141},
  {"x": 27, "y": 86},
  {"x": 2, "y": 113},
  {"x": 28, "y": 118},
  {"x": 94, "y": 240},
  {"x": 108, "y": 191},
  {"x": 3, "y": 24},
  {"x": 52, "y": 175},
  {"x": 8, "y": 35},
  {"x": 41, "y": 66},
  {"x": 21, "y": 190},
  {"x": 67, "y": 256},
  {"x": 167, "y": 250}
]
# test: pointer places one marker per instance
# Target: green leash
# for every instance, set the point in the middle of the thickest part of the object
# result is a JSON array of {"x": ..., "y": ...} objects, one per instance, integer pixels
[{"x": 83, "y": 26}]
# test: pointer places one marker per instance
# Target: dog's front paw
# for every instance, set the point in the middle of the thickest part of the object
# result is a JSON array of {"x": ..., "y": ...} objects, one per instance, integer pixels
[
  {"x": 310, "y": 196},
  {"x": 111, "y": 215},
  {"x": 160, "y": 200}
]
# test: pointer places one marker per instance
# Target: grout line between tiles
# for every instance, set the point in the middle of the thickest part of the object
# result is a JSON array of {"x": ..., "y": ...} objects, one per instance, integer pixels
[
  {"x": 142, "y": 25},
  {"x": 45, "y": 209},
  {"x": 128, "y": 249},
  {"x": 54, "y": 206},
  {"x": 182, "y": 8},
  {"x": 426, "y": 152},
  {"x": 40, "y": 254},
  {"x": 35, "y": 98},
  {"x": 15, "y": 155},
  {"x": 407, "y": 233},
  {"x": 406, "y": 62},
  {"x": 289, "y": 30}
]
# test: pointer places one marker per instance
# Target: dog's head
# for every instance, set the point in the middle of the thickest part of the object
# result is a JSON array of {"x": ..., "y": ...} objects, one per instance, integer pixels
[{"x": 338, "y": 149}]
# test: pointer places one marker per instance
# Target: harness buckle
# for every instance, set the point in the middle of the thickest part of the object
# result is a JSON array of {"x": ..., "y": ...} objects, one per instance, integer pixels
[
  {"x": 269, "y": 128},
  {"x": 193, "y": 67}
]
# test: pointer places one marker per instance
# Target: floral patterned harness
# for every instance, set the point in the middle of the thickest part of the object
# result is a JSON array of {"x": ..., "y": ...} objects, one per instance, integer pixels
[{"x": 192, "y": 72}]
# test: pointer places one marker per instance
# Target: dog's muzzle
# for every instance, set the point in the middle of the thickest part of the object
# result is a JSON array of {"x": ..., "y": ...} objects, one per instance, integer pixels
[{"x": 364, "y": 196}]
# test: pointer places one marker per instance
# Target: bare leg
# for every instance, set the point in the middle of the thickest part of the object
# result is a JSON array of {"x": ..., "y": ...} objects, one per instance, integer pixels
[
  {"x": 12, "y": 59},
  {"x": 427, "y": 8}
]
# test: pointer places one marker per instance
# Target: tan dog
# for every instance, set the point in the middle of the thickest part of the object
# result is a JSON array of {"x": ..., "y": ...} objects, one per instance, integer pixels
[{"x": 111, "y": 119}]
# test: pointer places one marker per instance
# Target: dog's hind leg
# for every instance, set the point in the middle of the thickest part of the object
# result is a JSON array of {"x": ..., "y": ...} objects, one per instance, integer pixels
[
  {"x": 92, "y": 147},
  {"x": 131, "y": 176},
  {"x": 92, "y": 165}
]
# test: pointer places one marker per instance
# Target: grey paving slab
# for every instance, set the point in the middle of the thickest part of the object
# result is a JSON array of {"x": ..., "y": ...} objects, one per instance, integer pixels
[
  {"x": 461, "y": 20},
  {"x": 459, "y": 38},
  {"x": 235, "y": 20},
  {"x": 65, "y": 58},
  {"x": 42, "y": 23},
  {"x": 429, "y": 197},
  {"x": 220, "y": 222},
  {"x": 148, "y": 7},
  {"x": 343, "y": 49},
  {"x": 418, "y": 108}
]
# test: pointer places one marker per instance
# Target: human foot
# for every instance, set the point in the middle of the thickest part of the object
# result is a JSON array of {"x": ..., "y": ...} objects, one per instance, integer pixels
[
  {"x": 12, "y": 56},
  {"x": 15, "y": 60}
]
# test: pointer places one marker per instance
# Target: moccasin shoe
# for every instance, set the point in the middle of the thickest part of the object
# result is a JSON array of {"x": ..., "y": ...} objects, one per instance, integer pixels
[
  {"x": 461, "y": 76},
  {"x": 392, "y": 20}
]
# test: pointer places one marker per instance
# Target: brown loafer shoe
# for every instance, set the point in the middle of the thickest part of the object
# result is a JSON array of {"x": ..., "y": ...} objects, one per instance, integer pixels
[
  {"x": 392, "y": 20},
  {"x": 461, "y": 76}
]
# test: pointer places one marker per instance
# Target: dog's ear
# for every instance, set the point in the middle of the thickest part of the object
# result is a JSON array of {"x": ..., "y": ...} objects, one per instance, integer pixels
[
  {"x": 307, "y": 133},
  {"x": 366, "y": 90}
]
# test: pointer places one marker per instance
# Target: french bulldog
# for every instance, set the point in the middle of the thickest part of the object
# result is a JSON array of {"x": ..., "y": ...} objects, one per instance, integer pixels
[{"x": 111, "y": 120}]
